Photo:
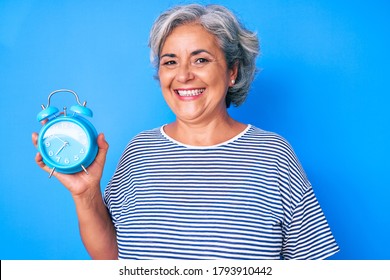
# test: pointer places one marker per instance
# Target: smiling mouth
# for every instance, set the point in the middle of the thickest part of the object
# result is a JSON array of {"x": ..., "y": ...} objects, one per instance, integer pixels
[{"x": 190, "y": 92}]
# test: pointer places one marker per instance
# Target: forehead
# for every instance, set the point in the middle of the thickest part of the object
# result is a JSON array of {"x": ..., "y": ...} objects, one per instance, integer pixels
[{"x": 190, "y": 36}]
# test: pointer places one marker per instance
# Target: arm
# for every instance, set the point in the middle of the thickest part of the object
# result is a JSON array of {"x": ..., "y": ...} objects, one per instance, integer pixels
[{"x": 96, "y": 228}]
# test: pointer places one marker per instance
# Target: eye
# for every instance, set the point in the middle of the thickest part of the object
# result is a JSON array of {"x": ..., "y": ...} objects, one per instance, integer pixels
[
  {"x": 201, "y": 60},
  {"x": 168, "y": 63},
  {"x": 171, "y": 62}
]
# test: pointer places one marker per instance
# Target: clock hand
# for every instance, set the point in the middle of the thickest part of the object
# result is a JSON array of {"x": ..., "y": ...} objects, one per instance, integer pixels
[
  {"x": 62, "y": 147},
  {"x": 60, "y": 139}
]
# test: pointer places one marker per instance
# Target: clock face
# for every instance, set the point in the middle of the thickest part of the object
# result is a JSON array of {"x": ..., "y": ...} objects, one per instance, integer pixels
[{"x": 65, "y": 144}]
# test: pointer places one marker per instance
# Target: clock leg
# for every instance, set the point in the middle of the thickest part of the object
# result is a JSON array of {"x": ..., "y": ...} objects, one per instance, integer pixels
[
  {"x": 85, "y": 170},
  {"x": 51, "y": 172}
]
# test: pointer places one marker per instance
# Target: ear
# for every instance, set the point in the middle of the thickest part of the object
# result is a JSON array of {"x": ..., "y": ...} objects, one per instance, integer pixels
[{"x": 233, "y": 72}]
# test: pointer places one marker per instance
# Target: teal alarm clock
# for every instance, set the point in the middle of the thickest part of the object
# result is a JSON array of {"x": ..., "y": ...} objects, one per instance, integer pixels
[{"x": 67, "y": 140}]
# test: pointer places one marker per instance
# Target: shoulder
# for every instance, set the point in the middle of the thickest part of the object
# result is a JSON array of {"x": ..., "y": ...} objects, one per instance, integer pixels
[
  {"x": 142, "y": 142},
  {"x": 145, "y": 138},
  {"x": 147, "y": 135},
  {"x": 279, "y": 149},
  {"x": 269, "y": 140}
]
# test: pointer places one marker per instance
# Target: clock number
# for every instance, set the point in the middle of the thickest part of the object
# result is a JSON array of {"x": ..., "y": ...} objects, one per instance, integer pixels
[
  {"x": 58, "y": 159},
  {"x": 66, "y": 125},
  {"x": 51, "y": 153},
  {"x": 76, "y": 157},
  {"x": 82, "y": 151},
  {"x": 47, "y": 144},
  {"x": 66, "y": 161}
]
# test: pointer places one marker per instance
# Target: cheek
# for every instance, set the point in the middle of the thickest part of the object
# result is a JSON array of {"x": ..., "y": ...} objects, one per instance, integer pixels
[
  {"x": 216, "y": 80},
  {"x": 165, "y": 78},
  {"x": 213, "y": 74},
  {"x": 165, "y": 84}
]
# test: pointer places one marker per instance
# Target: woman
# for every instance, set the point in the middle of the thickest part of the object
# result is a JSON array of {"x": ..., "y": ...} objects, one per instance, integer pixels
[{"x": 205, "y": 186}]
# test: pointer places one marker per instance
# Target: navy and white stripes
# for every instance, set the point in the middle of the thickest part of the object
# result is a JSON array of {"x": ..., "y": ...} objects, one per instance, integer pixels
[{"x": 247, "y": 198}]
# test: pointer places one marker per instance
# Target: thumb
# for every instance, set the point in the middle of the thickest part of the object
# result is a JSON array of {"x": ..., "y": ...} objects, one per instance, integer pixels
[{"x": 103, "y": 149}]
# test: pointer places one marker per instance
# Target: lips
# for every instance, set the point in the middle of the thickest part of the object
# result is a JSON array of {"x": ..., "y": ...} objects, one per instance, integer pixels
[{"x": 189, "y": 92}]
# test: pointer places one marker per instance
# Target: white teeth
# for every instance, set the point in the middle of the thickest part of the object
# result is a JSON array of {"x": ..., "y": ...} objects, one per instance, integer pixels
[{"x": 192, "y": 92}]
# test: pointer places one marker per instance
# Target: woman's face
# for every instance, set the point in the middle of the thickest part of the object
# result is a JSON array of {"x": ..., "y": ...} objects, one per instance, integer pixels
[{"x": 193, "y": 74}]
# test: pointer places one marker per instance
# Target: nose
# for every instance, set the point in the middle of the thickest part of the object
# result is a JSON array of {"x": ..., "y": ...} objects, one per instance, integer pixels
[{"x": 184, "y": 73}]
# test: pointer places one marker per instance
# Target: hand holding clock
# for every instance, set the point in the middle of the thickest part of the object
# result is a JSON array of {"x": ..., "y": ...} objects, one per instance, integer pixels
[{"x": 80, "y": 182}]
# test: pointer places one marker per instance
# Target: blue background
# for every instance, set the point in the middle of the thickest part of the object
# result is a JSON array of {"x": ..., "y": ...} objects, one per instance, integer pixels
[{"x": 323, "y": 85}]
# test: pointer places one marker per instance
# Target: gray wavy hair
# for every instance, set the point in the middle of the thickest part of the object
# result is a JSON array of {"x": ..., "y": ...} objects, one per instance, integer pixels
[{"x": 240, "y": 45}]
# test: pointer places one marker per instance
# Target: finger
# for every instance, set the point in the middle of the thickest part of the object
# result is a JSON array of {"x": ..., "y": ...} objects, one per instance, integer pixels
[
  {"x": 101, "y": 141},
  {"x": 103, "y": 149},
  {"x": 38, "y": 156},
  {"x": 34, "y": 138},
  {"x": 41, "y": 164}
]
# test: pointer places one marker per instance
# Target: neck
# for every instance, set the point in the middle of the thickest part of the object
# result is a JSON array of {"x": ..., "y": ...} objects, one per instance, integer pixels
[{"x": 204, "y": 134}]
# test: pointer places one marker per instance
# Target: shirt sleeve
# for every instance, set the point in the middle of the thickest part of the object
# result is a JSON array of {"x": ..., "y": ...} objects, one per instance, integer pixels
[
  {"x": 114, "y": 194},
  {"x": 306, "y": 233}
]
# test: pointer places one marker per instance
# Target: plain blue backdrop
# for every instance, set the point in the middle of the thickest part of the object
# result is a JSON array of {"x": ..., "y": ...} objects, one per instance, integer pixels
[{"x": 323, "y": 85}]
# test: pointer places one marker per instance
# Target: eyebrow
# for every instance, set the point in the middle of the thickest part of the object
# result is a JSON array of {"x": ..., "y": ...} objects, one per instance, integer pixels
[{"x": 196, "y": 52}]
